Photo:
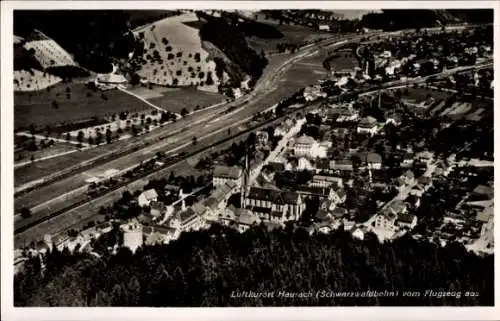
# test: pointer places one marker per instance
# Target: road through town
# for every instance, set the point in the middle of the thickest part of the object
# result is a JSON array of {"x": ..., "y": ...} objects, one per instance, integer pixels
[
  {"x": 208, "y": 126},
  {"x": 171, "y": 136}
]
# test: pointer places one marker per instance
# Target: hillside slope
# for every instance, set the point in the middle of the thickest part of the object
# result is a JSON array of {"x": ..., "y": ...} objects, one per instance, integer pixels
[
  {"x": 173, "y": 55},
  {"x": 168, "y": 48}
]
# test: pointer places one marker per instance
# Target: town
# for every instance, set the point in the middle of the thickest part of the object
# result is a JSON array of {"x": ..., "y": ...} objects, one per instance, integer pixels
[{"x": 391, "y": 140}]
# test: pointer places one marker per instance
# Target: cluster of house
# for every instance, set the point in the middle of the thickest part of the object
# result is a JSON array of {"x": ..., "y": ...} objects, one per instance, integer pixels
[
  {"x": 473, "y": 219},
  {"x": 312, "y": 93},
  {"x": 166, "y": 223}
]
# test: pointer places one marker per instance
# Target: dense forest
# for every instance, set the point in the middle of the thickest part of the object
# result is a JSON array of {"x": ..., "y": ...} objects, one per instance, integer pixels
[
  {"x": 230, "y": 39},
  {"x": 204, "y": 268},
  {"x": 407, "y": 19},
  {"x": 80, "y": 32}
]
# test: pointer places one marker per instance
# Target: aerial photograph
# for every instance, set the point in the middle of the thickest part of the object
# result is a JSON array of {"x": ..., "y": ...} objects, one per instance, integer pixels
[{"x": 253, "y": 158}]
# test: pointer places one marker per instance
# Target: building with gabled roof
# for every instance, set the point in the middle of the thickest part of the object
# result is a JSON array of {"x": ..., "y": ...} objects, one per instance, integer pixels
[
  {"x": 147, "y": 197},
  {"x": 224, "y": 174},
  {"x": 341, "y": 164},
  {"x": 325, "y": 181},
  {"x": 132, "y": 235},
  {"x": 189, "y": 220},
  {"x": 368, "y": 125},
  {"x": 246, "y": 220},
  {"x": 267, "y": 203},
  {"x": 303, "y": 146},
  {"x": 405, "y": 220}
]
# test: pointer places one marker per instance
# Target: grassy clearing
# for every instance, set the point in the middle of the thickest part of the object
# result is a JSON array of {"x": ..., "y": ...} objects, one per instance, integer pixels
[
  {"x": 421, "y": 93},
  {"x": 188, "y": 98},
  {"x": 302, "y": 74},
  {"x": 147, "y": 93},
  {"x": 39, "y": 108},
  {"x": 57, "y": 148},
  {"x": 292, "y": 35},
  {"x": 342, "y": 60},
  {"x": 40, "y": 169}
]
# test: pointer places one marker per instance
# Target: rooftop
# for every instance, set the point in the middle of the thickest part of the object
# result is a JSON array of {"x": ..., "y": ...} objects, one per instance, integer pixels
[
  {"x": 150, "y": 194},
  {"x": 484, "y": 216},
  {"x": 232, "y": 172},
  {"x": 305, "y": 140},
  {"x": 274, "y": 196},
  {"x": 368, "y": 122},
  {"x": 276, "y": 167},
  {"x": 247, "y": 219},
  {"x": 406, "y": 218},
  {"x": 484, "y": 190}
]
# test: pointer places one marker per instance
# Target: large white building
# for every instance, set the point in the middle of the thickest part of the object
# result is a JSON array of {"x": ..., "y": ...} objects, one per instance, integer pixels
[
  {"x": 147, "y": 197},
  {"x": 325, "y": 181},
  {"x": 191, "y": 219},
  {"x": 132, "y": 235},
  {"x": 368, "y": 125},
  {"x": 304, "y": 146}
]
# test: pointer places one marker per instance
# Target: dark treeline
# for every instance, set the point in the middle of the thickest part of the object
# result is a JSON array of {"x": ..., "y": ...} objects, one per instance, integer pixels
[
  {"x": 231, "y": 40},
  {"x": 94, "y": 37},
  {"x": 203, "y": 269},
  {"x": 395, "y": 19}
]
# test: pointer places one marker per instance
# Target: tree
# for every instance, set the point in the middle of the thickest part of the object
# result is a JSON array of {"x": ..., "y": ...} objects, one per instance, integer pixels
[
  {"x": 98, "y": 138},
  {"x": 79, "y": 137},
  {"x": 135, "y": 79},
  {"x": 194, "y": 140},
  {"x": 32, "y": 130},
  {"x": 48, "y": 131},
  {"x": 55, "y": 105},
  {"x": 134, "y": 129},
  {"x": 184, "y": 112},
  {"x": 210, "y": 80},
  {"x": 25, "y": 212},
  {"x": 109, "y": 136}
]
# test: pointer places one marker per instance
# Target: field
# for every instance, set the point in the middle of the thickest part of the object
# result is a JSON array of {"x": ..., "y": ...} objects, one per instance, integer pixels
[
  {"x": 53, "y": 107},
  {"x": 341, "y": 60},
  {"x": 302, "y": 74},
  {"x": 475, "y": 110},
  {"x": 421, "y": 93},
  {"x": 33, "y": 81},
  {"x": 57, "y": 148},
  {"x": 189, "y": 98},
  {"x": 38, "y": 170},
  {"x": 292, "y": 35}
]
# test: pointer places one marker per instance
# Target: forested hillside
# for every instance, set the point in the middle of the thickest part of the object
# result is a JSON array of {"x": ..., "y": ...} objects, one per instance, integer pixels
[
  {"x": 230, "y": 37},
  {"x": 80, "y": 32},
  {"x": 204, "y": 268},
  {"x": 395, "y": 19}
]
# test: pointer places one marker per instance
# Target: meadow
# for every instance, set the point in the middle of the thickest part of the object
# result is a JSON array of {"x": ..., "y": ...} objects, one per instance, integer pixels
[
  {"x": 68, "y": 103},
  {"x": 189, "y": 98}
]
